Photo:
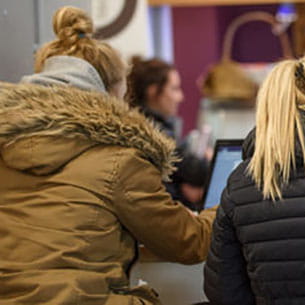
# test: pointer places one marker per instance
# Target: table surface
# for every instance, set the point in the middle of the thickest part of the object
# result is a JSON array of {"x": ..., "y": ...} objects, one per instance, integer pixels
[{"x": 176, "y": 284}]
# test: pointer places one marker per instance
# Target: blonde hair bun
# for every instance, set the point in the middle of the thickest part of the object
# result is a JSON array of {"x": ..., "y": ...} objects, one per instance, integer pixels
[
  {"x": 74, "y": 28},
  {"x": 71, "y": 23}
]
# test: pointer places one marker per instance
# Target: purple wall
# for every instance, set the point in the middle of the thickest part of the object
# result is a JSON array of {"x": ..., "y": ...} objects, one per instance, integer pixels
[
  {"x": 198, "y": 35},
  {"x": 254, "y": 41},
  {"x": 195, "y": 47}
]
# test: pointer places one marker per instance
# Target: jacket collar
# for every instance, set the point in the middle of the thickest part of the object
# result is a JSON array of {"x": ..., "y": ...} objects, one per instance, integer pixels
[
  {"x": 29, "y": 112},
  {"x": 249, "y": 146},
  {"x": 165, "y": 124}
]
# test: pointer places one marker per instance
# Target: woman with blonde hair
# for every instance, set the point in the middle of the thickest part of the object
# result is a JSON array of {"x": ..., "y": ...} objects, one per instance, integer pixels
[
  {"x": 81, "y": 180},
  {"x": 257, "y": 253}
]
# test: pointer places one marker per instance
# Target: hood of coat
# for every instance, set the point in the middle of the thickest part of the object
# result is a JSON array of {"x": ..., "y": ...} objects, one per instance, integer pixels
[
  {"x": 43, "y": 128},
  {"x": 67, "y": 71}
]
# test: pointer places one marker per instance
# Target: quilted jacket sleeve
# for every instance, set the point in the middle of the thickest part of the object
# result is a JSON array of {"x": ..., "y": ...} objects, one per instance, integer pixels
[
  {"x": 165, "y": 227},
  {"x": 225, "y": 276}
]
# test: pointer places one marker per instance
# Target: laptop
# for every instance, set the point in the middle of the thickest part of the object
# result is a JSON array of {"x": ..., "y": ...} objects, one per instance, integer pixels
[{"x": 227, "y": 155}]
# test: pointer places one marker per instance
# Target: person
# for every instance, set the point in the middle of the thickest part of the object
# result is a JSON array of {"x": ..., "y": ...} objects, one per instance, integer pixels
[
  {"x": 257, "y": 254},
  {"x": 80, "y": 180},
  {"x": 190, "y": 181},
  {"x": 154, "y": 86}
]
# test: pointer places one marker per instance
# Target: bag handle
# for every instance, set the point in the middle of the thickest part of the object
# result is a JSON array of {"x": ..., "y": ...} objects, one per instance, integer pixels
[{"x": 248, "y": 17}]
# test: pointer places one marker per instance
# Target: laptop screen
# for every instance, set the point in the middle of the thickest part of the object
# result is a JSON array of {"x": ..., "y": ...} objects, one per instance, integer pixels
[{"x": 227, "y": 155}]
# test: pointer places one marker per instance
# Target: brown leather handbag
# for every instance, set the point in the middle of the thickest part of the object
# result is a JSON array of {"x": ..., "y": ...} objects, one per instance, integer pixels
[{"x": 228, "y": 80}]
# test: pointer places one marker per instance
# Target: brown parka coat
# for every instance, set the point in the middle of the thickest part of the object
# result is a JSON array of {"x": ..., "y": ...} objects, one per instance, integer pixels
[{"x": 80, "y": 182}]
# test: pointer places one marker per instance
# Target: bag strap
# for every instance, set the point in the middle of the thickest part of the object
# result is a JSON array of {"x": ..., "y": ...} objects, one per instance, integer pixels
[{"x": 248, "y": 17}]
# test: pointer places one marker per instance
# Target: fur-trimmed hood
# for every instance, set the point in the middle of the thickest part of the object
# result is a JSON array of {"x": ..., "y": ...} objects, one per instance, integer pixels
[{"x": 35, "y": 122}]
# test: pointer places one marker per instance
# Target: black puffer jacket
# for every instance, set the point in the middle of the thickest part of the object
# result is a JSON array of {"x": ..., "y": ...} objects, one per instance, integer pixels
[{"x": 257, "y": 254}]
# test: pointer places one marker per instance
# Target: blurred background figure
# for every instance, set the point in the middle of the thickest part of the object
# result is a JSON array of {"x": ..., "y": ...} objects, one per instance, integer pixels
[
  {"x": 155, "y": 87},
  {"x": 190, "y": 180}
]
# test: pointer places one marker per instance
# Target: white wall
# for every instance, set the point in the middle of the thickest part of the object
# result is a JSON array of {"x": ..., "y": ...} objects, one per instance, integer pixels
[
  {"x": 134, "y": 39},
  {"x": 17, "y": 36},
  {"x": 27, "y": 24}
]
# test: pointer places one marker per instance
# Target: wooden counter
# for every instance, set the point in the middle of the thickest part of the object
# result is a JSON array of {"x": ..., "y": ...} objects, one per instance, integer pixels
[{"x": 216, "y": 2}]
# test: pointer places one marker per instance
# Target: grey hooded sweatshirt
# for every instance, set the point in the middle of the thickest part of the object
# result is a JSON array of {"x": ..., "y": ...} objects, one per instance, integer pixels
[{"x": 67, "y": 70}]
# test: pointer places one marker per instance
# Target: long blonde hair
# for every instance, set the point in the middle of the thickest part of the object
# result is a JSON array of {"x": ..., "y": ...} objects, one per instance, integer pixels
[
  {"x": 278, "y": 126},
  {"x": 74, "y": 28}
]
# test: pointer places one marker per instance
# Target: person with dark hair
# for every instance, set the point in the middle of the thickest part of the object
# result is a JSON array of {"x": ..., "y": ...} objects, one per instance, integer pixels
[
  {"x": 81, "y": 180},
  {"x": 154, "y": 86}
]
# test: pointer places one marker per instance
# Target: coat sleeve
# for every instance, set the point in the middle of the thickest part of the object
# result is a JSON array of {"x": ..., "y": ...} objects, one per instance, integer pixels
[
  {"x": 225, "y": 275},
  {"x": 164, "y": 226}
]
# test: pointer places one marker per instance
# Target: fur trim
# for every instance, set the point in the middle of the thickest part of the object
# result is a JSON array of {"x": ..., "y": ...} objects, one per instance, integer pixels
[{"x": 29, "y": 110}]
